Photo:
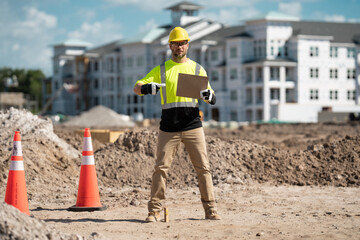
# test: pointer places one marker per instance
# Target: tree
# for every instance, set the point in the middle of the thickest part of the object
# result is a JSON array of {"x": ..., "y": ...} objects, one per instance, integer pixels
[{"x": 30, "y": 82}]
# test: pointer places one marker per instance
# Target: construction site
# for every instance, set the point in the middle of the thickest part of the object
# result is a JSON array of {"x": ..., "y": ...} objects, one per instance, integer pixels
[{"x": 272, "y": 181}]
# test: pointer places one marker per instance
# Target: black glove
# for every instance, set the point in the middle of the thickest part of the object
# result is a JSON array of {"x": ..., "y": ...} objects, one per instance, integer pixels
[
  {"x": 151, "y": 88},
  {"x": 207, "y": 95}
]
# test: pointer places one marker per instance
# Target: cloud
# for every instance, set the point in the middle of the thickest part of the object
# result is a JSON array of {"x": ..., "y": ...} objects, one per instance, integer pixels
[
  {"x": 232, "y": 16},
  {"x": 86, "y": 14},
  {"x": 159, "y": 5},
  {"x": 150, "y": 6},
  {"x": 227, "y": 3},
  {"x": 25, "y": 37},
  {"x": 334, "y": 18},
  {"x": 354, "y": 20},
  {"x": 291, "y": 8},
  {"x": 329, "y": 18},
  {"x": 98, "y": 32},
  {"x": 148, "y": 25}
]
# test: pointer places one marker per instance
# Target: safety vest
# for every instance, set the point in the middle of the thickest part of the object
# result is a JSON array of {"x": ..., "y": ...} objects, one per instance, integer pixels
[{"x": 166, "y": 102}]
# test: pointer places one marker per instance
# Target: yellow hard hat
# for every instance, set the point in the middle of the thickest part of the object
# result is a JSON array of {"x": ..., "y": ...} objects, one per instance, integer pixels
[{"x": 178, "y": 34}]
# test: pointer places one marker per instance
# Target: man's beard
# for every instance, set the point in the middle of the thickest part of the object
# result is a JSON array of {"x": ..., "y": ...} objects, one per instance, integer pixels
[{"x": 180, "y": 56}]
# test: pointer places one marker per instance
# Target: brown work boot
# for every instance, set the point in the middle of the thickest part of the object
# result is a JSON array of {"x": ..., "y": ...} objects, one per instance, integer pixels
[
  {"x": 153, "y": 217},
  {"x": 211, "y": 214}
]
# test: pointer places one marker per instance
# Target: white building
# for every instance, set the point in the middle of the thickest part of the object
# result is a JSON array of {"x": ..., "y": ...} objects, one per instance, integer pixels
[{"x": 273, "y": 67}]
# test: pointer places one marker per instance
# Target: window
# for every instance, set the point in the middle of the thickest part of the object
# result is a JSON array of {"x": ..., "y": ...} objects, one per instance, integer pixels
[
  {"x": 259, "y": 95},
  {"x": 118, "y": 83},
  {"x": 314, "y": 73},
  {"x": 129, "y": 81},
  {"x": 351, "y": 73},
  {"x": 96, "y": 66},
  {"x": 111, "y": 83},
  {"x": 351, "y": 94},
  {"x": 233, "y": 95},
  {"x": 118, "y": 65},
  {"x": 274, "y": 94},
  {"x": 110, "y": 65},
  {"x": 274, "y": 73},
  {"x": 289, "y": 95},
  {"x": 96, "y": 83},
  {"x": 248, "y": 115},
  {"x": 214, "y": 54},
  {"x": 233, "y": 116},
  {"x": 333, "y": 95},
  {"x": 233, "y": 73},
  {"x": 350, "y": 52},
  {"x": 129, "y": 62},
  {"x": 333, "y": 73},
  {"x": 233, "y": 52},
  {"x": 248, "y": 75},
  {"x": 333, "y": 52},
  {"x": 248, "y": 96},
  {"x": 214, "y": 75},
  {"x": 139, "y": 61},
  {"x": 259, "y": 72},
  {"x": 286, "y": 50},
  {"x": 314, "y": 94},
  {"x": 259, "y": 114},
  {"x": 314, "y": 51}
]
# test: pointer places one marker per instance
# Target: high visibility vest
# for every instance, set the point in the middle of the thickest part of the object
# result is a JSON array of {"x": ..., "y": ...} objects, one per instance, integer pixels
[{"x": 165, "y": 97}]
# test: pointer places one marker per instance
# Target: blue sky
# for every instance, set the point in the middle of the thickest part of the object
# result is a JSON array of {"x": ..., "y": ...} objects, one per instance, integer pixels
[{"x": 29, "y": 28}]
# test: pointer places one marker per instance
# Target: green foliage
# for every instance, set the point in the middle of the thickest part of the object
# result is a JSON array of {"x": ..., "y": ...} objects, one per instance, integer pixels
[{"x": 30, "y": 82}]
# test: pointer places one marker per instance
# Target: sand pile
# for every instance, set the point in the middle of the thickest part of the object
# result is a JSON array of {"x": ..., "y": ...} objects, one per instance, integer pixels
[
  {"x": 51, "y": 165},
  {"x": 101, "y": 117}
]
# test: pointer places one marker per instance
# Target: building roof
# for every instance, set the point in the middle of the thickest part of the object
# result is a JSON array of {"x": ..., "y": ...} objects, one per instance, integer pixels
[
  {"x": 341, "y": 32},
  {"x": 224, "y": 33},
  {"x": 184, "y": 5},
  {"x": 74, "y": 42},
  {"x": 273, "y": 16},
  {"x": 105, "y": 48}
]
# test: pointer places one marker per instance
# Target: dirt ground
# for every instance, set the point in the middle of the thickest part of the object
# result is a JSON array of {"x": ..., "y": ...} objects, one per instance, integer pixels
[
  {"x": 248, "y": 212},
  {"x": 279, "y": 181}
]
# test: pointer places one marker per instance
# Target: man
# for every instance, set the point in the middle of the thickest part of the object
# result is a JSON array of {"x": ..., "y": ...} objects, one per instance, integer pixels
[{"x": 180, "y": 122}]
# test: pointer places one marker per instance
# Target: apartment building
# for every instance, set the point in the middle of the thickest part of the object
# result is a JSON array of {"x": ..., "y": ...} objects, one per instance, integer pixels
[{"x": 274, "y": 67}]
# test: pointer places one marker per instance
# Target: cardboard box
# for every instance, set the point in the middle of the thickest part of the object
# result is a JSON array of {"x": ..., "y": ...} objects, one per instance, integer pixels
[{"x": 103, "y": 135}]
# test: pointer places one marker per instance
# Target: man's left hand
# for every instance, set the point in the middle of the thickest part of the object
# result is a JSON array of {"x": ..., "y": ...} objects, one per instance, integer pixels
[{"x": 208, "y": 96}]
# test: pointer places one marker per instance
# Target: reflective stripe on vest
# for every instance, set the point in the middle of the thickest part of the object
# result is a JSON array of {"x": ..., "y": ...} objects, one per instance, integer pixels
[{"x": 166, "y": 105}]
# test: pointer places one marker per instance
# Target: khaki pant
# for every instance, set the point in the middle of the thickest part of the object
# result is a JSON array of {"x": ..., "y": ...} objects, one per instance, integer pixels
[{"x": 195, "y": 145}]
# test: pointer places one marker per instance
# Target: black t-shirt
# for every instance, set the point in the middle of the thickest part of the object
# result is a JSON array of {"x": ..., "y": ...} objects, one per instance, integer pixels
[{"x": 180, "y": 119}]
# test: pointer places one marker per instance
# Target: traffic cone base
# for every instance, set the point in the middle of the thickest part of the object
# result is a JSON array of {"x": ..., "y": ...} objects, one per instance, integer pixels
[
  {"x": 88, "y": 198},
  {"x": 16, "y": 194},
  {"x": 86, "y": 209}
]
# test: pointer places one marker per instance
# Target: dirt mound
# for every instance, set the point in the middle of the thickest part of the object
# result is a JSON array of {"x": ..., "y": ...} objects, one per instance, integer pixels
[
  {"x": 124, "y": 168},
  {"x": 101, "y": 117},
  {"x": 16, "y": 225},
  {"x": 130, "y": 161},
  {"x": 51, "y": 165}
]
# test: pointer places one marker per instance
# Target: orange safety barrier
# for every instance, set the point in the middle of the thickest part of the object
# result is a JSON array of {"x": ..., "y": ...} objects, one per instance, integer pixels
[
  {"x": 16, "y": 194},
  {"x": 88, "y": 198}
]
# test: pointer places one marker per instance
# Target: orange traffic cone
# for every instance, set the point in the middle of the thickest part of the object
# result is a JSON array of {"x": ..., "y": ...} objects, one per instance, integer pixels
[
  {"x": 88, "y": 198},
  {"x": 16, "y": 194}
]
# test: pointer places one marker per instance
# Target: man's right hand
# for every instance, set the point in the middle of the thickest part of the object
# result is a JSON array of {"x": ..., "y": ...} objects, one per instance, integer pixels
[{"x": 151, "y": 88}]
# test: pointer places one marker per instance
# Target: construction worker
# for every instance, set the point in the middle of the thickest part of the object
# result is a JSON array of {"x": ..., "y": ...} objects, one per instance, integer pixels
[{"x": 180, "y": 122}]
